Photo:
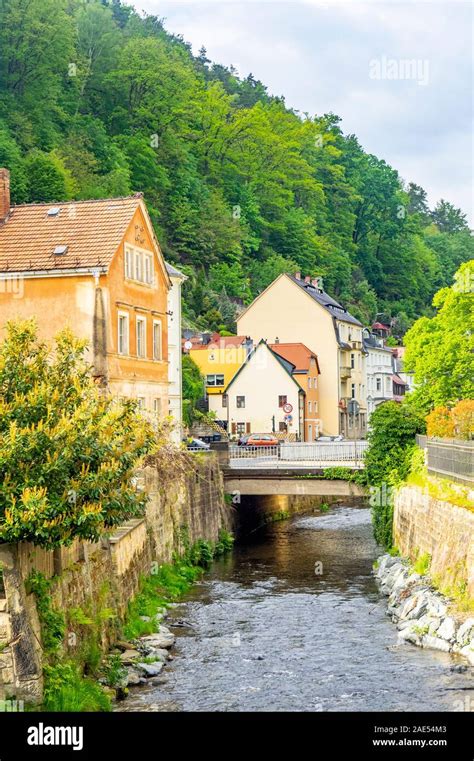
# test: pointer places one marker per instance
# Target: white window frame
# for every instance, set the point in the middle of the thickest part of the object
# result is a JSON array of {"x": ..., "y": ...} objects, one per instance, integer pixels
[
  {"x": 141, "y": 321},
  {"x": 213, "y": 383},
  {"x": 148, "y": 268},
  {"x": 139, "y": 265},
  {"x": 157, "y": 356},
  {"x": 129, "y": 262},
  {"x": 141, "y": 400},
  {"x": 157, "y": 406},
  {"x": 123, "y": 315}
]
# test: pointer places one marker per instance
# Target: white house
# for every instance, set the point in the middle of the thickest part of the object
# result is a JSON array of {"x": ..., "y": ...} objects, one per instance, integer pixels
[
  {"x": 174, "y": 350},
  {"x": 264, "y": 397},
  {"x": 378, "y": 371}
]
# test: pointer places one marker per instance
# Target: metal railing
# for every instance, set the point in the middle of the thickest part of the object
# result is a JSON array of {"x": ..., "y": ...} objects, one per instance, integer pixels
[
  {"x": 327, "y": 454},
  {"x": 450, "y": 458}
]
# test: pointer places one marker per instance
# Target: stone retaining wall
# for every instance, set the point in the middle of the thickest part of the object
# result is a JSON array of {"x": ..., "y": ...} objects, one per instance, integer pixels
[
  {"x": 108, "y": 575},
  {"x": 424, "y": 525}
]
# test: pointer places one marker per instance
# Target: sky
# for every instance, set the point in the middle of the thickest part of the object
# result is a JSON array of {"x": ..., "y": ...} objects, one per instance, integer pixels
[{"x": 399, "y": 74}]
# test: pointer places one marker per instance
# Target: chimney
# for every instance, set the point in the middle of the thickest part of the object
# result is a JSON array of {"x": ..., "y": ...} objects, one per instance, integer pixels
[
  {"x": 307, "y": 279},
  {"x": 317, "y": 282},
  {"x": 277, "y": 340},
  {"x": 298, "y": 275},
  {"x": 4, "y": 195}
]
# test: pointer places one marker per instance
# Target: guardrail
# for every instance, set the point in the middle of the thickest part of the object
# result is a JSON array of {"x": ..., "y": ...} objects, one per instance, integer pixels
[
  {"x": 450, "y": 458},
  {"x": 315, "y": 454}
]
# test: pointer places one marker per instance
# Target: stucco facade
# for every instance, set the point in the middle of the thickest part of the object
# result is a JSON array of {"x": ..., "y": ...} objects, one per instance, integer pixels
[
  {"x": 175, "y": 408},
  {"x": 287, "y": 312},
  {"x": 253, "y": 399},
  {"x": 118, "y": 303}
]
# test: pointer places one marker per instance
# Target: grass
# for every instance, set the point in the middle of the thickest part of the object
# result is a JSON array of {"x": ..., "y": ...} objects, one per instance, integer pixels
[
  {"x": 422, "y": 564},
  {"x": 66, "y": 689}
]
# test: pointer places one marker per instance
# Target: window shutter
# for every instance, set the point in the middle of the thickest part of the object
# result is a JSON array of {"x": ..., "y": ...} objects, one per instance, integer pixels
[
  {"x": 247, "y": 427},
  {"x": 234, "y": 427}
]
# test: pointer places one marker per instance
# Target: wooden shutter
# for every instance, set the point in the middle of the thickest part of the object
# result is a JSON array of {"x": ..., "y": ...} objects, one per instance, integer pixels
[
  {"x": 234, "y": 427},
  {"x": 247, "y": 427}
]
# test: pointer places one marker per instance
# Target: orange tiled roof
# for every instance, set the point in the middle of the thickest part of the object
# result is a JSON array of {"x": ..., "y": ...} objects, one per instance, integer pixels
[
  {"x": 91, "y": 230},
  {"x": 222, "y": 341},
  {"x": 297, "y": 353}
]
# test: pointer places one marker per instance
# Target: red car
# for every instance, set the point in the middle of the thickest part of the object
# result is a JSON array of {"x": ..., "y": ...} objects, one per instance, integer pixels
[{"x": 258, "y": 440}]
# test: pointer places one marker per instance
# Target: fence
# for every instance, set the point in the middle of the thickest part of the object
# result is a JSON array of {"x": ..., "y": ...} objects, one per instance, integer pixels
[
  {"x": 450, "y": 458},
  {"x": 348, "y": 453}
]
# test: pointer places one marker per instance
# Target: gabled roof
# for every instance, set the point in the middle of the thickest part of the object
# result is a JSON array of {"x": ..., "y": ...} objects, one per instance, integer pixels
[
  {"x": 296, "y": 353},
  {"x": 221, "y": 342},
  {"x": 288, "y": 367},
  {"x": 173, "y": 272},
  {"x": 91, "y": 230},
  {"x": 325, "y": 300}
]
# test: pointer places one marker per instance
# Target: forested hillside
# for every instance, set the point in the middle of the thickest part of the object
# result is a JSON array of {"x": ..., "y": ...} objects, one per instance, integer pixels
[{"x": 96, "y": 101}]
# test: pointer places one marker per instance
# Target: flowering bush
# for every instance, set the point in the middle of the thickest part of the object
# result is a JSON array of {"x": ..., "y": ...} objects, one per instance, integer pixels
[{"x": 67, "y": 451}]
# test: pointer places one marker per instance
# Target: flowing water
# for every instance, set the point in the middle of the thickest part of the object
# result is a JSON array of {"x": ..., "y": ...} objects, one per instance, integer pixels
[{"x": 293, "y": 621}]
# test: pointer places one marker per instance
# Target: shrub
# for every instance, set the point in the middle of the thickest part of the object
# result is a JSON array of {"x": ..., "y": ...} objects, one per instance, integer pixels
[
  {"x": 440, "y": 423},
  {"x": 463, "y": 418},
  {"x": 67, "y": 451}
]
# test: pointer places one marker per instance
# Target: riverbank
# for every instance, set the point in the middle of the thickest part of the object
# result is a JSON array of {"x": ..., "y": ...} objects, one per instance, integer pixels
[{"x": 423, "y": 616}]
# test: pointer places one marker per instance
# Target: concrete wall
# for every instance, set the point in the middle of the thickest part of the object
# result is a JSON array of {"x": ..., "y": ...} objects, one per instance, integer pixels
[
  {"x": 423, "y": 525},
  {"x": 109, "y": 574}
]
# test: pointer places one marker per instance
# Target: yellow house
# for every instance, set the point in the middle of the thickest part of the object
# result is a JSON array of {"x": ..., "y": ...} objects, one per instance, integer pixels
[
  {"x": 97, "y": 268},
  {"x": 218, "y": 361},
  {"x": 293, "y": 309}
]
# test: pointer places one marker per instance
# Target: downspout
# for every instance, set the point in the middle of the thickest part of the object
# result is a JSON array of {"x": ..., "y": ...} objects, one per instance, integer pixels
[{"x": 99, "y": 337}]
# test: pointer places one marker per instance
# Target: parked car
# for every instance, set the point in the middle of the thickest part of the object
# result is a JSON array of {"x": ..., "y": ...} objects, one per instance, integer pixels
[
  {"x": 192, "y": 443},
  {"x": 258, "y": 440},
  {"x": 326, "y": 439}
]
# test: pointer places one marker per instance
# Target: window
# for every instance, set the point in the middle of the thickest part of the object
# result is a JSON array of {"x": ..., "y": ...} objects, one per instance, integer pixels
[
  {"x": 378, "y": 384},
  {"x": 282, "y": 400},
  {"x": 315, "y": 383},
  {"x": 387, "y": 383},
  {"x": 310, "y": 432},
  {"x": 128, "y": 263},
  {"x": 315, "y": 406},
  {"x": 241, "y": 428},
  {"x": 141, "y": 337},
  {"x": 148, "y": 268},
  {"x": 157, "y": 406},
  {"x": 225, "y": 400},
  {"x": 141, "y": 402},
  {"x": 353, "y": 390},
  {"x": 157, "y": 339},
  {"x": 214, "y": 380},
  {"x": 310, "y": 406},
  {"x": 353, "y": 364},
  {"x": 309, "y": 382},
  {"x": 123, "y": 333},
  {"x": 240, "y": 402},
  {"x": 138, "y": 265}
]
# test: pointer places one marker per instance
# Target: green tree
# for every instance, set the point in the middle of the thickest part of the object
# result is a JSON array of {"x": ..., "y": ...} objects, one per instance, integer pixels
[
  {"x": 193, "y": 388},
  {"x": 67, "y": 451},
  {"x": 393, "y": 428},
  {"x": 440, "y": 350}
]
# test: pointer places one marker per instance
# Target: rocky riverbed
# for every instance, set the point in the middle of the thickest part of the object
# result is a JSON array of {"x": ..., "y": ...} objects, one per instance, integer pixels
[{"x": 422, "y": 615}]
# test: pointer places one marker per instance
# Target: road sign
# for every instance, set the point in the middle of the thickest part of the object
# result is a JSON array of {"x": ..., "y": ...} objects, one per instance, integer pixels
[{"x": 288, "y": 408}]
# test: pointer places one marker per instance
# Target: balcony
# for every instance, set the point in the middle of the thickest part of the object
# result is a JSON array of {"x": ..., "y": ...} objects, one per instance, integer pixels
[{"x": 345, "y": 372}]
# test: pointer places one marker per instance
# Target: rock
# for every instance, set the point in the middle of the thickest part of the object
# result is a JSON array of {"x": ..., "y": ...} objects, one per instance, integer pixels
[
  {"x": 159, "y": 680},
  {"x": 133, "y": 678},
  {"x": 437, "y": 606},
  {"x": 435, "y": 643},
  {"x": 434, "y": 625},
  {"x": 122, "y": 645},
  {"x": 150, "y": 669},
  {"x": 468, "y": 652},
  {"x": 145, "y": 618},
  {"x": 447, "y": 629},
  {"x": 409, "y": 635},
  {"x": 465, "y": 632},
  {"x": 157, "y": 652},
  {"x": 459, "y": 668},
  {"x": 129, "y": 655},
  {"x": 160, "y": 640}
]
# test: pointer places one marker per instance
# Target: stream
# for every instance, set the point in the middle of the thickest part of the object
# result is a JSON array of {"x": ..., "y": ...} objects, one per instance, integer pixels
[{"x": 292, "y": 621}]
